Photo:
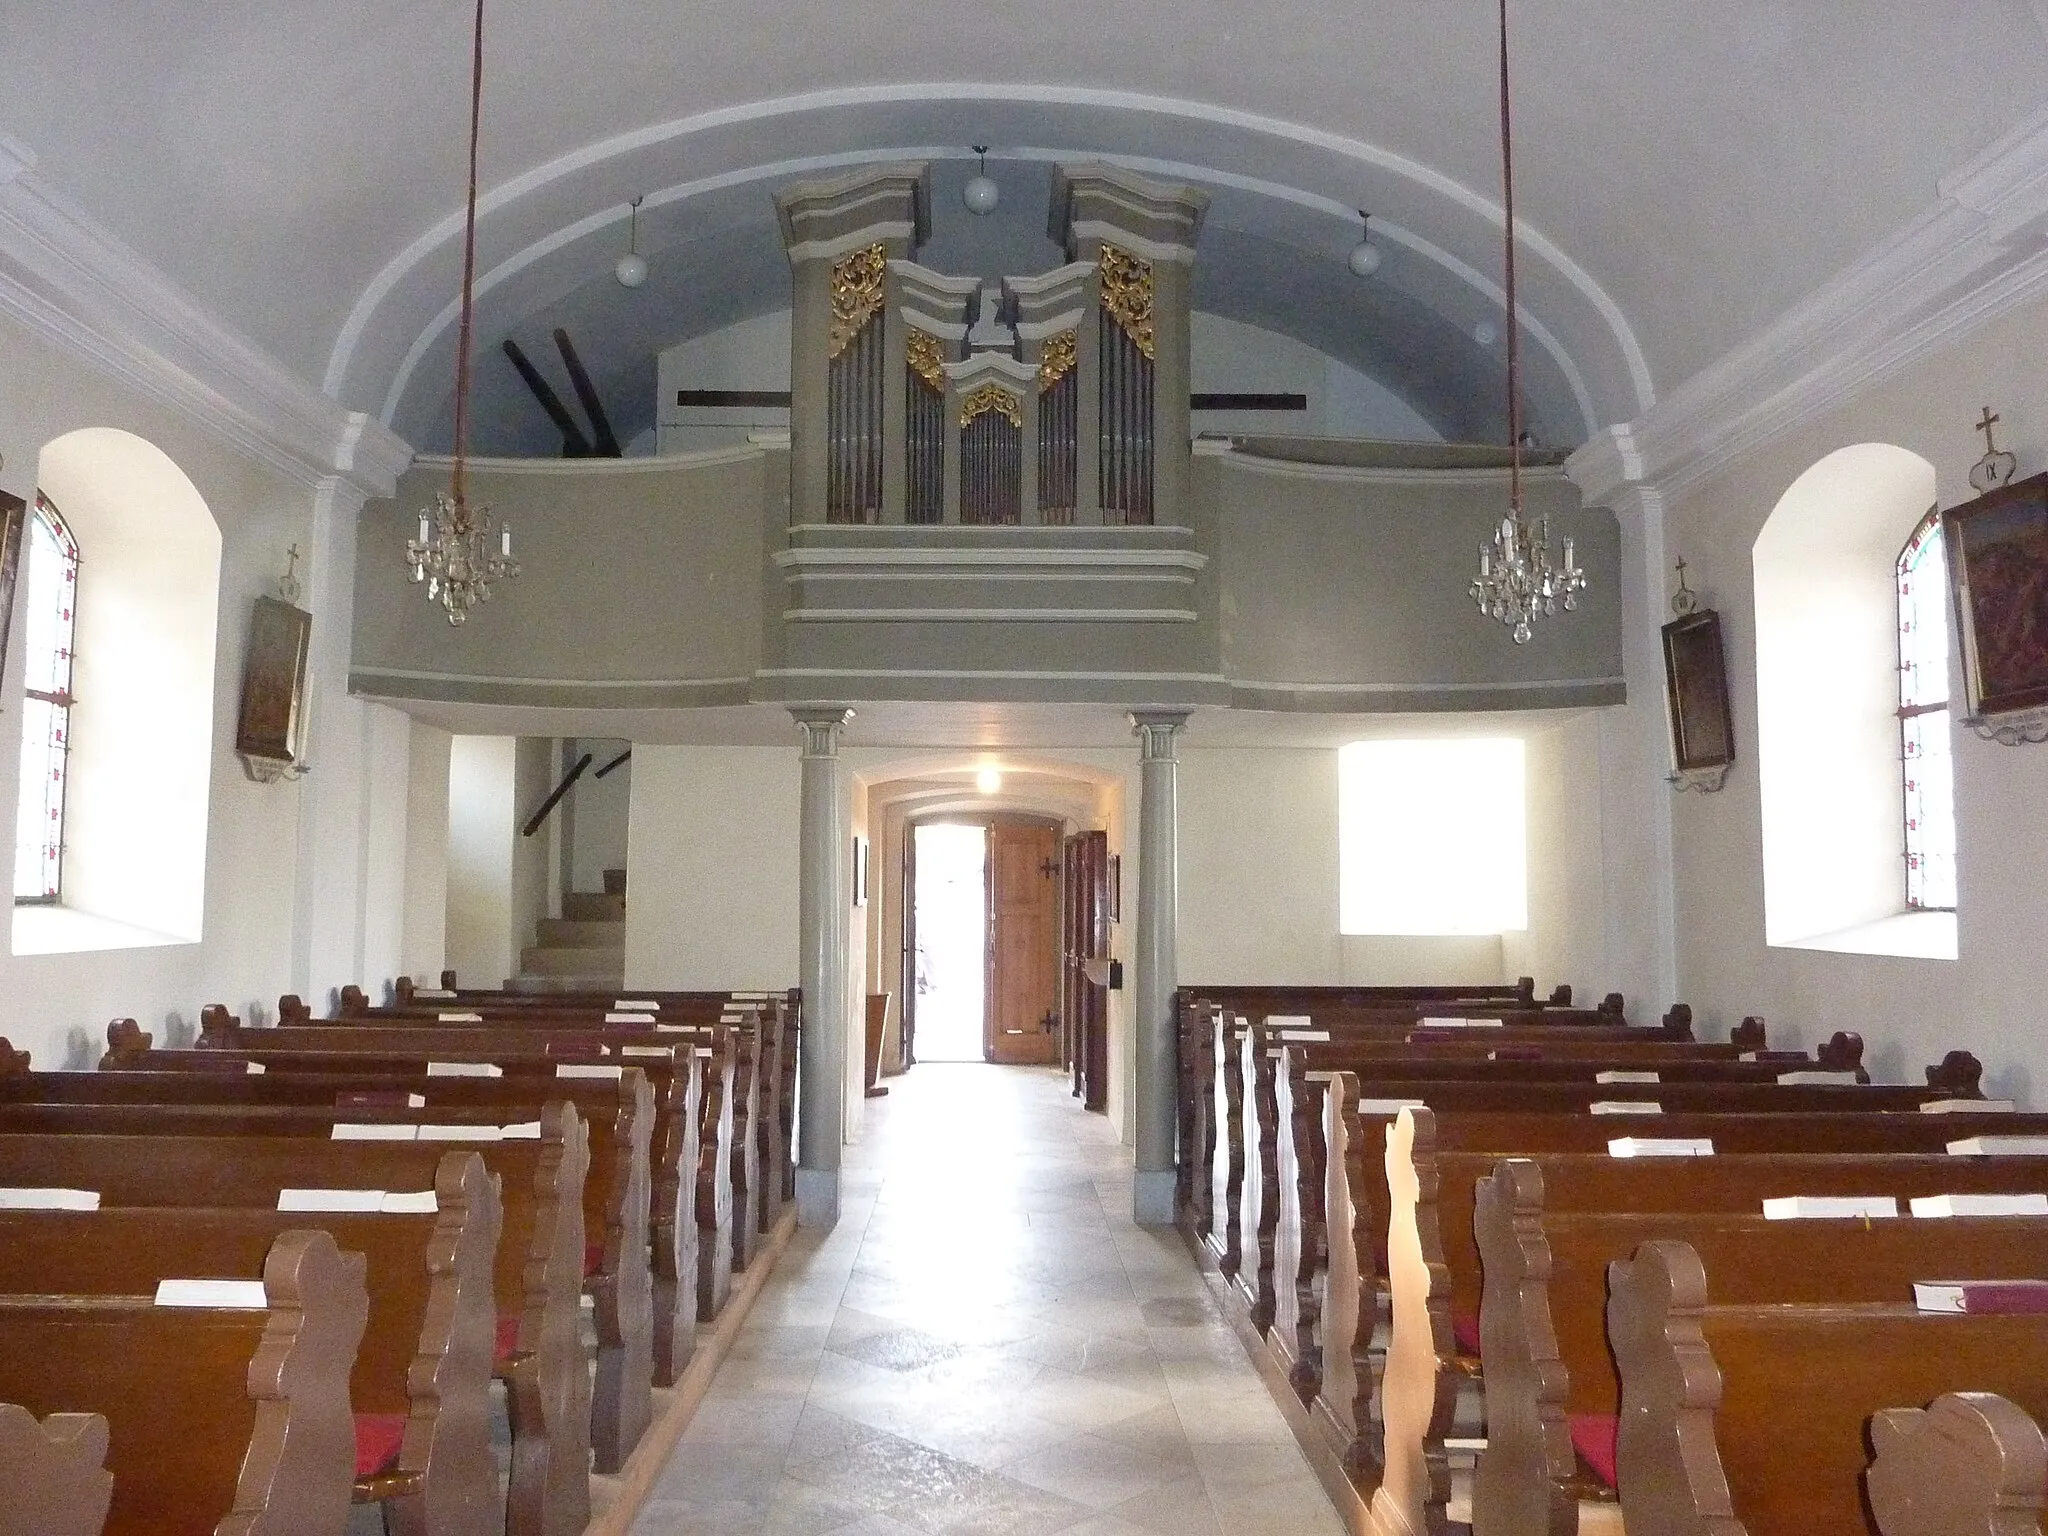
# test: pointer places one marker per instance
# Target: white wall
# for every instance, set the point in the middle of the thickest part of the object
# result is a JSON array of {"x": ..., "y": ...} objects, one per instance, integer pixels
[
  {"x": 754, "y": 354},
  {"x": 482, "y": 782},
  {"x": 597, "y": 814},
  {"x": 1230, "y": 356},
  {"x": 535, "y": 893},
  {"x": 424, "y": 946},
  {"x": 713, "y": 849}
]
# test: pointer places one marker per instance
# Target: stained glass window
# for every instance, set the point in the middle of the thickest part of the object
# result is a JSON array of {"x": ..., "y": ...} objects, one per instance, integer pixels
[
  {"x": 51, "y": 588},
  {"x": 1929, "y": 772}
]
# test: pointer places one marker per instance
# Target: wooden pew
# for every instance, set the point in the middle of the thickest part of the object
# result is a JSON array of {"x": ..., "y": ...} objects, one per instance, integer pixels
[
  {"x": 1756, "y": 1414},
  {"x": 420, "y": 1389},
  {"x": 54, "y": 1473},
  {"x": 539, "y": 1268},
  {"x": 1968, "y": 1464},
  {"x": 1550, "y": 1382},
  {"x": 218, "y": 1419}
]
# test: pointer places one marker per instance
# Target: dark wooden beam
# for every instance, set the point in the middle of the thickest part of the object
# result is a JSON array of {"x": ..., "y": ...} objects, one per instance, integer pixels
[
  {"x": 574, "y": 444},
  {"x": 606, "y": 442}
]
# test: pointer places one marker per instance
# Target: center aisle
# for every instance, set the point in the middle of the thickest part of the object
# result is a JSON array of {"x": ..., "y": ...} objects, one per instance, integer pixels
[{"x": 986, "y": 1344}]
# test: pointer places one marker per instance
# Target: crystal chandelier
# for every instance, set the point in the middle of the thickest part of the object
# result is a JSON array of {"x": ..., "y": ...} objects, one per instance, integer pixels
[
  {"x": 1518, "y": 576},
  {"x": 453, "y": 554}
]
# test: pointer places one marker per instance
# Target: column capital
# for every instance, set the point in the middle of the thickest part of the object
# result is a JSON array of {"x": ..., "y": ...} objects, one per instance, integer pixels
[
  {"x": 1156, "y": 730},
  {"x": 821, "y": 725}
]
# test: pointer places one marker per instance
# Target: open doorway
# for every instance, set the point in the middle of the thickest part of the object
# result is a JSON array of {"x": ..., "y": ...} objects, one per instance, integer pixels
[{"x": 951, "y": 954}]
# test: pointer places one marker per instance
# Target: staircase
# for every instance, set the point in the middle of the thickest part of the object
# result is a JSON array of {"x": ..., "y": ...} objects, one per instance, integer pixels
[{"x": 583, "y": 950}]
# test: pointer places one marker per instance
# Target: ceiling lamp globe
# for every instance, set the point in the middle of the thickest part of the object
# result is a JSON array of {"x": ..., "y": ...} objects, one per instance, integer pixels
[
  {"x": 981, "y": 194},
  {"x": 1365, "y": 258},
  {"x": 989, "y": 780},
  {"x": 631, "y": 270},
  {"x": 1486, "y": 333}
]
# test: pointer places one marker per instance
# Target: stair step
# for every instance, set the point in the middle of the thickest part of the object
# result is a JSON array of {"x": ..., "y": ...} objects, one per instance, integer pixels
[
  {"x": 573, "y": 933},
  {"x": 594, "y": 907},
  {"x": 541, "y": 960},
  {"x": 615, "y": 882}
]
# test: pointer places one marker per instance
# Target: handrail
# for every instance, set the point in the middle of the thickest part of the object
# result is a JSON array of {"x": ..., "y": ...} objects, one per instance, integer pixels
[
  {"x": 533, "y": 822},
  {"x": 623, "y": 757}
]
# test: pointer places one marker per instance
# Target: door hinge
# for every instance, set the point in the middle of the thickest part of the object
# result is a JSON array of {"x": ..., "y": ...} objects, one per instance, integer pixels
[{"x": 1048, "y": 867}]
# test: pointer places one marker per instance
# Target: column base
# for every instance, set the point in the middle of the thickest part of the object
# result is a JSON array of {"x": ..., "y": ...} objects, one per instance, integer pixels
[
  {"x": 817, "y": 1197},
  {"x": 1152, "y": 1198}
]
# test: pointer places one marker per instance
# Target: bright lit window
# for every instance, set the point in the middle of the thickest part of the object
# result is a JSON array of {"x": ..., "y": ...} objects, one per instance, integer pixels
[
  {"x": 51, "y": 593},
  {"x": 1431, "y": 837},
  {"x": 1929, "y": 771}
]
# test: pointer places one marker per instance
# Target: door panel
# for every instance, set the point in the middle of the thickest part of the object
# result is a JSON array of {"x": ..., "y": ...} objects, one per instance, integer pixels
[
  {"x": 1084, "y": 939},
  {"x": 1024, "y": 951}
]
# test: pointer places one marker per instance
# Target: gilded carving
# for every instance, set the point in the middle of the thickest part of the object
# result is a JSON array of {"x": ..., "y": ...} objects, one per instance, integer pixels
[
  {"x": 927, "y": 358},
  {"x": 1127, "y": 294},
  {"x": 857, "y": 290},
  {"x": 1057, "y": 360},
  {"x": 992, "y": 397}
]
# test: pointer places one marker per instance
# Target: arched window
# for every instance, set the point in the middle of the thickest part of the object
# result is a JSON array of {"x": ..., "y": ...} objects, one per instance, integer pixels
[
  {"x": 52, "y": 590},
  {"x": 1929, "y": 770}
]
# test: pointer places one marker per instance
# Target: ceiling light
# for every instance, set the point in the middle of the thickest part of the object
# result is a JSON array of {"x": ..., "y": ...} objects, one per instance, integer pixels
[
  {"x": 453, "y": 553},
  {"x": 981, "y": 194},
  {"x": 1519, "y": 579},
  {"x": 988, "y": 781},
  {"x": 1365, "y": 256},
  {"x": 632, "y": 268},
  {"x": 1486, "y": 333}
]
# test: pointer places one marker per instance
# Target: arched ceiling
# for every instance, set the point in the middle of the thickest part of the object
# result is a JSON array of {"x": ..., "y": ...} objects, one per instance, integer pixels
[{"x": 1685, "y": 172}]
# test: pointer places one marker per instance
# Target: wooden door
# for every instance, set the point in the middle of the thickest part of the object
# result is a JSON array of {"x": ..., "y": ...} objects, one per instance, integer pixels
[
  {"x": 1084, "y": 965},
  {"x": 1023, "y": 949}
]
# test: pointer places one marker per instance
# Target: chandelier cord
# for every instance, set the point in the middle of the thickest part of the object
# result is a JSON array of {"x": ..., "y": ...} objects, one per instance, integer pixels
[
  {"x": 1507, "y": 175},
  {"x": 462, "y": 344}
]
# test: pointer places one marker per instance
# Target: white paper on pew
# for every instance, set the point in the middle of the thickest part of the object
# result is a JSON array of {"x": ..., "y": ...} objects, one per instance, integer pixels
[
  {"x": 647, "y": 1050},
  {"x": 415, "y": 1101},
  {"x": 1999, "y": 1146},
  {"x": 1660, "y": 1146},
  {"x": 462, "y": 1133},
  {"x": 49, "y": 1199},
  {"x": 252, "y": 1069},
  {"x": 629, "y": 1018},
  {"x": 431, "y": 992},
  {"x": 524, "y": 1130},
  {"x": 1462, "y": 1024},
  {"x": 464, "y": 1069},
  {"x": 244, "y": 1295},
  {"x": 1289, "y": 1021},
  {"x": 1800, "y": 1078},
  {"x": 1301, "y": 1035},
  {"x": 460, "y": 1018},
  {"x": 403, "y": 1202},
  {"x": 677, "y": 1029},
  {"x": 646, "y": 1004},
  {"x": 587, "y": 1069},
  {"x": 1980, "y": 1205},
  {"x": 1625, "y": 1107},
  {"x": 1829, "y": 1207},
  {"x": 1968, "y": 1107},
  {"x": 330, "y": 1199},
  {"x": 1389, "y": 1106},
  {"x": 1749, "y": 1056},
  {"x": 1627, "y": 1077},
  {"x": 351, "y": 1130}
]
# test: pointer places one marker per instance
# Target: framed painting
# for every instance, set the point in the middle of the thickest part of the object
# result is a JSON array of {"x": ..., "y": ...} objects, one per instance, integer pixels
[
  {"x": 13, "y": 528},
  {"x": 268, "y": 737},
  {"x": 1997, "y": 549},
  {"x": 1696, "y": 685}
]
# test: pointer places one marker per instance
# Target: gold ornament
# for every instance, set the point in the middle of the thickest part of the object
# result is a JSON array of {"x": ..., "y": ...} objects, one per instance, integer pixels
[
  {"x": 1057, "y": 360},
  {"x": 927, "y": 358},
  {"x": 991, "y": 397},
  {"x": 857, "y": 288},
  {"x": 1127, "y": 294}
]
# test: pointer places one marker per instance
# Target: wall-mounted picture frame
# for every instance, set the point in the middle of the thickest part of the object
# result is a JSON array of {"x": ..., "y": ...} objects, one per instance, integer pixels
[
  {"x": 860, "y": 870},
  {"x": 1997, "y": 548},
  {"x": 270, "y": 734},
  {"x": 13, "y": 529},
  {"x": 1116, "y": 887},
  {"x": 1696, "y": 688}
]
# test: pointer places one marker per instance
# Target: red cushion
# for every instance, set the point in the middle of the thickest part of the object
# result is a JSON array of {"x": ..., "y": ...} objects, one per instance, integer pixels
[
  {"x": 593, "y": 1259},
  {"x": 1465, "y": 1330},
  {"x": 1593, "y": 1437},
  {"x": 508, "y": 1336},
  {"x": 378, "y": 1436}
]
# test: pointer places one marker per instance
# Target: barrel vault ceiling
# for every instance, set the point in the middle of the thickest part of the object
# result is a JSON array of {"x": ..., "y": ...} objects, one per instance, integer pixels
[{"x": 1685, "y": 172}]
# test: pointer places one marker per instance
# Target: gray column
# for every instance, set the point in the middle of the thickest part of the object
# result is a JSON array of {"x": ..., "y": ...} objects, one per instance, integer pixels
[
  {"x": 822, "y": 959},
  {"x": 1156, "y": 973}
]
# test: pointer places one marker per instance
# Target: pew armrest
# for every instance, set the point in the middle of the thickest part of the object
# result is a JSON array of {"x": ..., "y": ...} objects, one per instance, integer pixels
[
  {"x": 1970, "y": 1461},
  {"x": 57, "y": 1468}
]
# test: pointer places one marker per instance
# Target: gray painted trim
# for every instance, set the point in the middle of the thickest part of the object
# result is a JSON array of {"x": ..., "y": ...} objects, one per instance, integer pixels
[
  {"x": 786, "y": 684},
  {"x": 1152, "y": 1199},
  {"x": 639, "y": 464},
  {"x": 1404, "y": 698},
  {"x": 1049, "y": 558},
  {"x": 990, "y": 615},
  {"x": 868, "y": 572},
  {"x": 549, "y": 693},
  {"x": 1352, "y": 474}
]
